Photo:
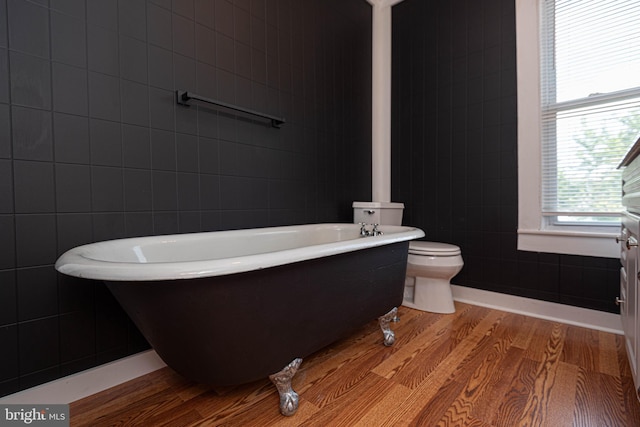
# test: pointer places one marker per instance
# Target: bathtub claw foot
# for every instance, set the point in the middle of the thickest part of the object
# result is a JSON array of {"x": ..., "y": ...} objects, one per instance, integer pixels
[
  {"x": 389, "y": 336},
  {"x": 282, "y": 380}
]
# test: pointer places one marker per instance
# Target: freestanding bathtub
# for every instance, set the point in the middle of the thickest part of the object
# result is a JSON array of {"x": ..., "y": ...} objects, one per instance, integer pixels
[{"x": 230, "y": 307}]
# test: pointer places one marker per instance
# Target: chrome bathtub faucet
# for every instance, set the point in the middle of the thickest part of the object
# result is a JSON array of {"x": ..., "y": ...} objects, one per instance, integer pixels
[
  {"x": 366, "y": 233},
  {"x": 363, "y": 230}
]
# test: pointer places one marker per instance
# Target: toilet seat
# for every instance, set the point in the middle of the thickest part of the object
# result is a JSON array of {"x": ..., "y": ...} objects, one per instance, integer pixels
[{"x": 433, "y": 249}]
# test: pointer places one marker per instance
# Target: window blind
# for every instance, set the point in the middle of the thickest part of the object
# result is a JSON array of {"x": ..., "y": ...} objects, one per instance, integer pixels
[{"x": 590, "y": 82}]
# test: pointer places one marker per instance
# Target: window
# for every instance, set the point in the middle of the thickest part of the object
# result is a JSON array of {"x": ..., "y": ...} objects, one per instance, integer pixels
[{"x": 579, "y": 112}]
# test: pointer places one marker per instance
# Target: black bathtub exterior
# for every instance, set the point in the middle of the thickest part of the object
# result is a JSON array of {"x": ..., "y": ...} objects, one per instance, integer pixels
[{"x": 238, "y": 328}]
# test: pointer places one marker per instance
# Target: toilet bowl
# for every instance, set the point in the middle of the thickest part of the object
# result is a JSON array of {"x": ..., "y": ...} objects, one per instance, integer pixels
[
  {"x": 430, "y": 268},
  {"x": 430, "y": 265}
]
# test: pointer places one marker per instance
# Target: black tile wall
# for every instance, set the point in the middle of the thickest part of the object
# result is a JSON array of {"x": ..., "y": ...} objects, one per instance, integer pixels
[
  {"x": 454, "y": 151},
  {"x": 94, "y": 147}
]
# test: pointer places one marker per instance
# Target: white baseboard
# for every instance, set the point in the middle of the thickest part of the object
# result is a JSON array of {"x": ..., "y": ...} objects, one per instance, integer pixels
[
  {"x": 85, "y": 383},
  {"x": 584, "y": 317}
]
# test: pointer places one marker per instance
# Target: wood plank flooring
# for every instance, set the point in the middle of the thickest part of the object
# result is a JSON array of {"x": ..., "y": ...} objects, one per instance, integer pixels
[{"x": 477, "y": 367}]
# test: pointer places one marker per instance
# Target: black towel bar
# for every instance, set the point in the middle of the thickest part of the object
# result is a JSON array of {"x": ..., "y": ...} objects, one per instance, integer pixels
[{"x": 183, "y": 97}]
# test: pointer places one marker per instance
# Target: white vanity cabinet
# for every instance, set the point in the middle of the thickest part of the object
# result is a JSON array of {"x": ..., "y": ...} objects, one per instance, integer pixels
[
  {"x": 629, "y": 260},
  {"x": 628, "y": 299}
]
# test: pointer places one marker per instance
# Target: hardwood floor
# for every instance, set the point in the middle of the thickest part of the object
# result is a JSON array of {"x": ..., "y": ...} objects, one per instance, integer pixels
[{"x": 477, "y": 367}]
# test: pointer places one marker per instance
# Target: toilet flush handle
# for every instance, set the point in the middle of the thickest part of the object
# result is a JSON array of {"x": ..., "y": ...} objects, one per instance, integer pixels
[{"x": 369, "y": 211}]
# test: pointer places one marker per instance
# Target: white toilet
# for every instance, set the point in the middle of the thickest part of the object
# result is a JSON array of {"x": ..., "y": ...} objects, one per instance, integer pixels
[{"x": 430, "y": 265}]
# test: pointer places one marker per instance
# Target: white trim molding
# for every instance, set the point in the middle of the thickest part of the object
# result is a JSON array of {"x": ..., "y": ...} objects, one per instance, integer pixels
[
  {"x": 528, "y": 81},
  {"x": 77, "y": 386},
  {"x": 601, "y": 245},
  {"x": 577, "y": 316}
]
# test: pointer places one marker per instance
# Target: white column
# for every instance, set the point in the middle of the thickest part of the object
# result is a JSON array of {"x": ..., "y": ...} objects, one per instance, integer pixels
[{"x": 381, "y": 100}]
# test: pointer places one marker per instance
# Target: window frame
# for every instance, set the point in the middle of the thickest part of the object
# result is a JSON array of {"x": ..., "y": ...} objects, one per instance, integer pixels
[{"x": 534, "y": 232}]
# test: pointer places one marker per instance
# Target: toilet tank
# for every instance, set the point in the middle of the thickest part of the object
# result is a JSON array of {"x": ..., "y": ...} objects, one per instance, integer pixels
[{"x": 383, "y": 213}]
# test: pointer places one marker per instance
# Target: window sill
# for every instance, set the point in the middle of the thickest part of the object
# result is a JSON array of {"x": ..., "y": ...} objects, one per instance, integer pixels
[{"x": 569, "y": 242}]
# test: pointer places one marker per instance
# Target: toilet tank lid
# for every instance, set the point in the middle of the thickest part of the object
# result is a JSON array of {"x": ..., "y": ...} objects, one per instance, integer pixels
[
  {"x": 378, "y": 205},
  {"x": 433, "y": 248}
]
